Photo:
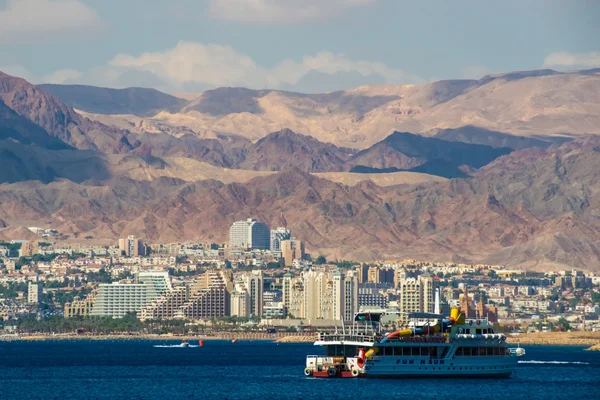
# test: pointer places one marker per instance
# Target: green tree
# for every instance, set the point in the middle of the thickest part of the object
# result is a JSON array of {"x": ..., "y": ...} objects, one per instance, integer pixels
[
  {"x": 563, "y": 325},
  {"x": 321, "y": 260},
  {"x": 21, "y": 261}
]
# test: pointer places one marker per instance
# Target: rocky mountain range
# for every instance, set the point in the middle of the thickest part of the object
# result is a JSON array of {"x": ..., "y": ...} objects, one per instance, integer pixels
[
  {"x": 536, "y": 104},
  {"x": 540, "y": 214},
  {"x": 527, "y": 200}
]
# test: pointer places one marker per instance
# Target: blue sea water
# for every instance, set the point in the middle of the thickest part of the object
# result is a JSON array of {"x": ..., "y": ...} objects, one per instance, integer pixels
[{"x": 139, "y": 369}]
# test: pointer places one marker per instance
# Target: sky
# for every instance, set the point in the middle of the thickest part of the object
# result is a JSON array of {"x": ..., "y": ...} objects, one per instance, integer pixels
[{"x": 299, "y": 45}]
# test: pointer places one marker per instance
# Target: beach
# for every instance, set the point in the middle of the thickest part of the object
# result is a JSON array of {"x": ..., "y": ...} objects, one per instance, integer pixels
[{"x": 538, "y": 338}]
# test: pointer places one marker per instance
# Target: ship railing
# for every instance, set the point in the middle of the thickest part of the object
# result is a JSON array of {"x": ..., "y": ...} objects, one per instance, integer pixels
[
  {"x": 421, "y": 339},
  {"x": 339, "y": 337}
]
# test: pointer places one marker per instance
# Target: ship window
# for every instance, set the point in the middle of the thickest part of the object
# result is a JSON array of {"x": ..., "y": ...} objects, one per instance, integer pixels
[
  {"x": 432, "y": 352},
  {"x": 459, "y": 351},
  {"x": 478, "y": 331},
  {"x": 397, "y": 351},
  {"x": 482, "y": 351},
  {"x": 406, "y": 351},
  {"x": 490, "y": 351},
  {"x": 339, "y": 350},
  {"x": 388, "y": 351},
  {"x": 445, "y": 351}
]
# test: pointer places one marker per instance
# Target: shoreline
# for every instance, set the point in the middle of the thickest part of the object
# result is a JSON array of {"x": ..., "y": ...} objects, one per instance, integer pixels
[
  {"x": 194, "y": 337},
  {"x": 556, "y": 338},
  {"x": 590, "y": 339}
]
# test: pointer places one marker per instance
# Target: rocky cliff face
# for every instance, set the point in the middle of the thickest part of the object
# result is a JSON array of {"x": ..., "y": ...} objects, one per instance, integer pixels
[
  {"x": 57, "y": 119},
  {"x": 285, "y": 149}
]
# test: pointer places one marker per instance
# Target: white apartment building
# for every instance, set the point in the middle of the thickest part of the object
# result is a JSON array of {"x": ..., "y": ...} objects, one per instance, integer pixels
[
  {"x": 417, "y": 294},
  {"x": 247, "y": 295},
  {"x": 239, "y": 303},
  {"x": 34, "y": 292},
  {"x": 321, "y": 295}
]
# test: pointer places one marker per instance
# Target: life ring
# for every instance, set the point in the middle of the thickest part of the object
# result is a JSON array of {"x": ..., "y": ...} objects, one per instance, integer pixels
[
  {"x": 478, "y": 322},
  {"x": 355, "y": 372},
  {"x": 360, "y": 359},
  {"x": 331, "y": 372},
  {"x": 308, "y": 371}
]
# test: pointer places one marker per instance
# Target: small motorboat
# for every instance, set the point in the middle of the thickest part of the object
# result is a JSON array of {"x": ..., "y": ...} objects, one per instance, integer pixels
[{"x": 184, "y": 343}]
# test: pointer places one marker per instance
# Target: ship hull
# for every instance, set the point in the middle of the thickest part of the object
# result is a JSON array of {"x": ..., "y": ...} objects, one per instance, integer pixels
[
  {"x": 504, "y": 375},
  {"x": 471, "y": 367}
]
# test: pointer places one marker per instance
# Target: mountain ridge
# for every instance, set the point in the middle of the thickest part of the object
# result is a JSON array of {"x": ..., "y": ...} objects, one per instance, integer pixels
[
  {"x": 538, "y": 104},
  {"x": 511, "y": 209}
]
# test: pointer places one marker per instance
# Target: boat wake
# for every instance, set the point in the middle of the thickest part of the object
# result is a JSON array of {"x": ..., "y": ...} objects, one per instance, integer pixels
[
  {"x": 553, "y": 362},
  {"x": 167, "y": 346}
]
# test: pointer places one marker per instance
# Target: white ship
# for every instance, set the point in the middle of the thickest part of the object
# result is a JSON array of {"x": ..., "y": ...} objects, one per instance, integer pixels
[{"x": 442, "y": 347}]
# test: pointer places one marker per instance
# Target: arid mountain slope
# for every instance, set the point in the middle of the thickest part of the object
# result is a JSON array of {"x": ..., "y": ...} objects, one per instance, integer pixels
[
  {"x": 17, "y": 128},
  {"x": 404, "y": 150},
  {"x": 57, "y": 119},
  {"x": 285, "y": 149},
  {"x": 536, "y": 104},
  {"x": 530, "y": 208},
  {"x": 136, "y": 101}
]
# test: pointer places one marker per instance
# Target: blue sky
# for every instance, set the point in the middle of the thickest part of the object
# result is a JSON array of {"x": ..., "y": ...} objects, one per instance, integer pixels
[{"x": 304, "y": 45}]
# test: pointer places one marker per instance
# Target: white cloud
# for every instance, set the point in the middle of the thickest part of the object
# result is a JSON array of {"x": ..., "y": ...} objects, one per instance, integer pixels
[
  {"x": 211, "y": 64},
  {"x": 206, "y": 65},
  {"x": 192, "y": 66},
  {"x": 26, "y": 18},
  {"x": 62, "y": 76},
  {"x": 579, "y": 60},
  {"x": 281, "y": 10}
]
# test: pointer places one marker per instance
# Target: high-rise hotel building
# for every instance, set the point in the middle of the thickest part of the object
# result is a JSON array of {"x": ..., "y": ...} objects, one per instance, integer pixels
[
  {"x": 247, "y": 295},
  {"x": 249, "y": 234},
  {"x": 117, "y": 299},
  {"x": 206, "y": 297},
  {"x": 417, "y": 294},
  {"x": 321, "y": 295},
  {"x": 132, "y": 247}
]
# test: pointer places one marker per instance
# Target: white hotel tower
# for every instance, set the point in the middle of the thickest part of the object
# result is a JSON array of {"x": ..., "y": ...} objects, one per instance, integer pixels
[
  {"x": 249, "y": 234},
  {"x": 117, "y": 299}
]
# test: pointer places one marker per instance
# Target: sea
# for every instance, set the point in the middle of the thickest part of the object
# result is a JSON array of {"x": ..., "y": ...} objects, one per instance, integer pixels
[{"x": 262, "y": 370}]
